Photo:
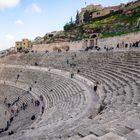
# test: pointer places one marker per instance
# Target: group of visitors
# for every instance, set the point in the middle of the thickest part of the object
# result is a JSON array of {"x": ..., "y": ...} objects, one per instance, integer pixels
[
  {"x": 93, "y": 48},
  {"x": 123, "y": 45},
  {"x": 129, "y": 45},
  {"x": 14, "y": 109}
]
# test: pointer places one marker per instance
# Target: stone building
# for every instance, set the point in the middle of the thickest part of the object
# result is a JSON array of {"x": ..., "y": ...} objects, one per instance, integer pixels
[
  {"x": 18, "y": 44},
  {"x": 98, "y": 11},
  {"x": 90, "y": 8},
  {"x": 128, "y": 8},
  {"x": 24, "y": 44},
  {"x": 106, "y": 11},
  {"x": 132, "y": 4}
]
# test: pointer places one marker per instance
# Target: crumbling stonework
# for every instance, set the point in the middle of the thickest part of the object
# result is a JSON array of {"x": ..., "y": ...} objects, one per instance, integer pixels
[{"x": 102, "y": 42}]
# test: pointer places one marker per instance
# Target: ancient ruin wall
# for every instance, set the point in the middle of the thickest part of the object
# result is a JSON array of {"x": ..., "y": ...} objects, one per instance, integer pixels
[
  {"x": 73, "y": 46},
  {"x": 113, "y": 41},
  {"x": 78, "y": 45}
]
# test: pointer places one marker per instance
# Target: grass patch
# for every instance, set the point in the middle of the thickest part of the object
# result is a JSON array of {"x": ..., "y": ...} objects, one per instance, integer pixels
[{"x": 106, "y": 35}]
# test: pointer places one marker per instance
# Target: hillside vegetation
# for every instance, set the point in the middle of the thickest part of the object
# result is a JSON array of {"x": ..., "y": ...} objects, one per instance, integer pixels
[{"x": 116, "y": 23}]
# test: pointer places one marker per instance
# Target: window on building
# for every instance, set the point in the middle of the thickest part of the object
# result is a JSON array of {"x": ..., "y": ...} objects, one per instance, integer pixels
[
  {"x": 98, "y": 13},
  {"x": 50, "y": 35},
  {"x": 111, "y": 11}
]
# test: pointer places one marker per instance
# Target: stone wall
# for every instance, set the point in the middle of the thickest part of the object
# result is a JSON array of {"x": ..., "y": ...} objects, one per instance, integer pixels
[
  {"x": 80, "y": 45},
  {"x": 113, "y": 41},
  {"x": 131, "y": 5},
  {"x": 77, "y": 45}
]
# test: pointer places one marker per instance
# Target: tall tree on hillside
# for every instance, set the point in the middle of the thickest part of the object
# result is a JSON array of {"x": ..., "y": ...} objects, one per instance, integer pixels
[
  {"x": 71, "y": 21},
  {"x": 69, "y": 26},
  {"x": 77, "y": 17},
  {"x": 87, "y": 16}
]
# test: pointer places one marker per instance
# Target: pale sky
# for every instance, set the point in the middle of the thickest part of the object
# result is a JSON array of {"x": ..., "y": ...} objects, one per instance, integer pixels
[{"x": 31, "y": 18}]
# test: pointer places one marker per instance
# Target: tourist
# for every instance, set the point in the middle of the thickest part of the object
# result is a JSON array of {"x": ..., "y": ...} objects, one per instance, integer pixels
[
  {"x": 37, "y": 103},
  {"x": 9, "y": 104},
  {"x": 41, "y": 97},
  {"x": 11, "y": 119},
  {"x": 36, "y": 64},
  {"x": 30, "y": 88},
  {"x": 95, "y": 88},
  {"x": 78, "y": 70},
  {"x": 7, "y": 126},
  {"x": 67, "y": 61},
  {"x": 32, "y": 100},
  {"x": 5, "y": 100},
  {"x": 33, "y": 117},
  {"x": 11, "y": 133},
  {"x": 18, "y": 76},
  {"x": 42, "y": 109}
]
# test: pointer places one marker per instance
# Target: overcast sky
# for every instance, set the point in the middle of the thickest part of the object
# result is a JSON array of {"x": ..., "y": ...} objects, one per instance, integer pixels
[{"x": 30, "y": 18}]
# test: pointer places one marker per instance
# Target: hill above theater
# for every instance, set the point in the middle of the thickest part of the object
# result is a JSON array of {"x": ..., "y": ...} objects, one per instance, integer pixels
[{"x": 107, "y": 21}]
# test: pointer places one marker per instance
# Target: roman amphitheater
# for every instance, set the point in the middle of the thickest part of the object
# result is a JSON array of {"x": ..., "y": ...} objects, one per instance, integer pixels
[{"x": 74, "y": 95}]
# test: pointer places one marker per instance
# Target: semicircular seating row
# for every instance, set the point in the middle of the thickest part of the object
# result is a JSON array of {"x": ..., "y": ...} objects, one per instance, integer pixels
[
  {"x": 119, "y": 90},
  {"x": 12, "y": 93},
  {"x": 118, "y": 74},
  {"x": 65, "y": 99}
]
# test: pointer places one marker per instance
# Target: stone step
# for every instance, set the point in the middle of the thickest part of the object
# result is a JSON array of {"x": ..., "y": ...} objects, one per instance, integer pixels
[
  {"x": 108, "y": 136},
  {"x": 111, "y": 136},
  {"x": 82, "y": 132},
  {"x": 75, "y": 137},
  {"x": 120, "y": 130},
  {"x": 97, "y": 131},
  {"x": 134, "y": 135},
  {"x": 90, "y": 137}
]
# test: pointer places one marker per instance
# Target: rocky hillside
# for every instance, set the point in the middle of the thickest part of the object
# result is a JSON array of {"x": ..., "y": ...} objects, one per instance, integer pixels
[
  {"x": 113, "y": 24},
  {"x": 116, "y": 23}
]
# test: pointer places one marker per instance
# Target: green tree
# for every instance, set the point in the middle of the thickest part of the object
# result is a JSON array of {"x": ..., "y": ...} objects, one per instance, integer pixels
[
  {"x": 87, "y": 16},
  {"x": 69, "y": 26},
  {"x": 45, "y": 38},
  {"x": 66, "y": 27},
  {"x": 77, "y": 17},
  {"x": 71, "y": 21}
]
